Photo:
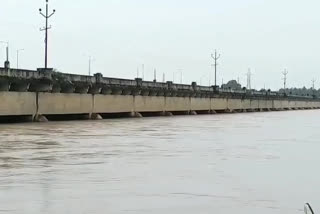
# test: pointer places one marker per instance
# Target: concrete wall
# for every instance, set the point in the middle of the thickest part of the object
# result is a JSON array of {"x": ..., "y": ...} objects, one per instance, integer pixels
[
  {"x": 177, "y": 104},
  {"x": 64, "y": 103},
  {"x": 25, "y": 103},
  {"x": 200, "y": 104},
  {"x": 112, "y": 104},
  {"x": 149, "y": 104},
  {"x": 15, "y": 103},
  {"x": 219, "y": 104}
]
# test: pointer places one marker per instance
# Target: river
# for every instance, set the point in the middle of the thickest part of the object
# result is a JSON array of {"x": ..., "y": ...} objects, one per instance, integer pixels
[{"x": 264, "y": 163}]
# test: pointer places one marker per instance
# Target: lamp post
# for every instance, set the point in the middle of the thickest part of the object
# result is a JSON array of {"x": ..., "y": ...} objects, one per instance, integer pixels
[
  {"x": 18, "y": 51},
  {"x": 46, "y": 28}
]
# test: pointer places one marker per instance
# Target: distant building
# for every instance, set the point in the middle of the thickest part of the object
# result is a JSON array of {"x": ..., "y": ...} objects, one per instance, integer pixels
[{"x": 232, "y": 84}]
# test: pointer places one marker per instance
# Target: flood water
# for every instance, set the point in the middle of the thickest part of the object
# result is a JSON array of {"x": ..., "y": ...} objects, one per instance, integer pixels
[{"x": 228, "y": 163}]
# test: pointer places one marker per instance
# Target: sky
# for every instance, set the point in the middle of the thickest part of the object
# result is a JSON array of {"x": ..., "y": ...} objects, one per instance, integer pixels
[{"x": 171, "y": 36}]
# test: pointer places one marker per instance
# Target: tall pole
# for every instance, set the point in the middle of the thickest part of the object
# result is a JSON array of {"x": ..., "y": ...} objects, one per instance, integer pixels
[
  {"x": 313, "y": 82},
  {"x": 249, "y": 74},
  {"x": 17, "y": 59},
  {"x": 155, "y": 75},
  {"x": 89, "y": 65},
  {"x": 7, "y": 49},
  {"x": 7, "y": 63},
  {"x": 285, "y": 73},
  {"x": 18, "y": 51},
  {"x": 215, "y": 57},
  {"x": 142, "y": 71},
  {"x": 46, "y": 28}
]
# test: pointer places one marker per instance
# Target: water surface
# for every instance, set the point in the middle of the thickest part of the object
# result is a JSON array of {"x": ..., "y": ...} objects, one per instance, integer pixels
[{"x": 228, "y": 163}]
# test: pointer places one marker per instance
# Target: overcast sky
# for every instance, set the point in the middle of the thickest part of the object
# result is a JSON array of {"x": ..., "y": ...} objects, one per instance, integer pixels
[{"x": 265, "y": 35}]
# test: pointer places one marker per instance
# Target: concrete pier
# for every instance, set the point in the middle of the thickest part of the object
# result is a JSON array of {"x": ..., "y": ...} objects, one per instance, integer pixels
[
  {"x": 95, "y": 116},
  {"x": 193, "y": 113},
  {"x": 40, "y": 118},
  {"x": 213, "y": 111},
  {"x": 168, "y": 114}
]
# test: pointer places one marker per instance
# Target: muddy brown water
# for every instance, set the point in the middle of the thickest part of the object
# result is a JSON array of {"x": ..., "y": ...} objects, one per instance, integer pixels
[{"x": 266, "y": 163}]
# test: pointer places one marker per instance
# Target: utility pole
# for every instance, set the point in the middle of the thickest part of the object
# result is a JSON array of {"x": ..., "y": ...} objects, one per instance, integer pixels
[
  {"x": 46, "y": 28},
  {"x": 6, "y": 63},
  {"x": 142, "y": 71},
  {"x": 164, "y": 77},
  {"x": 154, "y": 75},
  {"x": 249, "y": 75},
  {"x": 215, "y": 57},
  {"x": 18, "y": 51},
  {"x": 91, "y": 59},
  {"x": 313, "y": 82},
  {"x": 210, "y": 77},
  {"x": 285, "y": 73}
]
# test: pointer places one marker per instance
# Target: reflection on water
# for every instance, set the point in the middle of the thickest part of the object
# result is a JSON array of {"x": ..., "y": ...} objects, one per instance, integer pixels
[{"x": 233, "y": 163}]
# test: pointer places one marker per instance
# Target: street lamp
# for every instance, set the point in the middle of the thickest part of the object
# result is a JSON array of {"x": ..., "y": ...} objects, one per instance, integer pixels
[{"x": 18, "y": 57}]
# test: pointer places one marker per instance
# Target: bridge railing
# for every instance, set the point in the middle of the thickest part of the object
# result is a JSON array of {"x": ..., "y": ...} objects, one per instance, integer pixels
[{"x": 98, "y": 78}]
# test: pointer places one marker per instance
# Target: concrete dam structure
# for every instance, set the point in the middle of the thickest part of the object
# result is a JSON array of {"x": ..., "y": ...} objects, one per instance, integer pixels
[{"x": 41, "y": 95}]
